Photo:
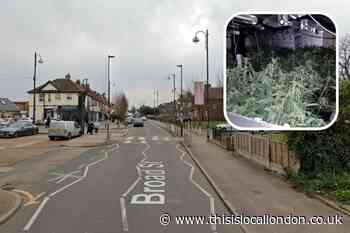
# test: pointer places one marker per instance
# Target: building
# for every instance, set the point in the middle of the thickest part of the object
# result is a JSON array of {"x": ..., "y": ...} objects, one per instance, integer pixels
[
  {"x": 68, "y": 100},
  {"x": 23, "y": 107},
  {"x": 8, "y": 108},
  {"x": 215, "y": 103},
  {"x": 256, "y": 33}
]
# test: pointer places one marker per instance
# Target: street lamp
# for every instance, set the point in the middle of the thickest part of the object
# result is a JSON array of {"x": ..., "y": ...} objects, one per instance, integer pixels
[
  {"x": 40, "y": 61},
  {"x": 196, "y": 40},
  {"x": 181, "y": 100},
  {"x": 109, "y": 96},
  {"x": 174, "y": 91}
]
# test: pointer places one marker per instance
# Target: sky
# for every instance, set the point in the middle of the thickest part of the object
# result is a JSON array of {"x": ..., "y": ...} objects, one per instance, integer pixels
[{"x": 148, "y": 39}]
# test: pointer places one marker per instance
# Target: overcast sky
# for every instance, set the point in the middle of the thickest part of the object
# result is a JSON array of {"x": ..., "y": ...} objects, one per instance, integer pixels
[{"x": 149, "y": 38}]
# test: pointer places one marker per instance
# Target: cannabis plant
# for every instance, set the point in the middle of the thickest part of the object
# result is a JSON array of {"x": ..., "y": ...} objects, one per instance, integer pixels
[{"x": 280, "y": 97}]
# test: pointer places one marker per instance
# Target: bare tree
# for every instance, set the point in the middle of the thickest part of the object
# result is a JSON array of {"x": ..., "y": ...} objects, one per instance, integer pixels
[
  {"x": 120, "y": 107},
  {"x": 344, "y": 55}
]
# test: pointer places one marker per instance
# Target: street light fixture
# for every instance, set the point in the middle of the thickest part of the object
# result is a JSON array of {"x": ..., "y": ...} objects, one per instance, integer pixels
[
  {"x": 181, "y": 100},
  {"x": 196, "y": 40},
  {"x": 40, "y": 61},
  {"x": 109, "y": 96}
]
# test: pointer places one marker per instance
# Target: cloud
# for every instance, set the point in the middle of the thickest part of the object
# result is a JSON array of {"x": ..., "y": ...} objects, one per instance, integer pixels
[{"x": 148, "y": 39}]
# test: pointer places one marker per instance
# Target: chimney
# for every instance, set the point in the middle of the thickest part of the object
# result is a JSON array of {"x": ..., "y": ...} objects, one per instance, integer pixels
[
  {"x": 78, "y": 82},
  {"x": 67, "y": 76}
]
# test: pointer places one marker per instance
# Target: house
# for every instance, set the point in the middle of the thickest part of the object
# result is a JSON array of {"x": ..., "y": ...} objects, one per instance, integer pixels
[
  {"x": 8, "y": 108},
  {"x": 23, "y": 107},
  {"x": 66, "y": 99}
]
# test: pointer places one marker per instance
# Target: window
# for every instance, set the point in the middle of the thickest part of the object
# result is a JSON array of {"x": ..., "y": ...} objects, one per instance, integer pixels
[
  {"x": 69, "y": 97},
  {"x": 58, "y": 96},
  {"x": 41, "y": 97},
  {"x": 49, "y": 97}
]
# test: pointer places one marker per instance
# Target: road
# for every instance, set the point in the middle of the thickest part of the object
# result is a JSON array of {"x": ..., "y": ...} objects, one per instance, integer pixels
[{"x": 126, "y": 188}]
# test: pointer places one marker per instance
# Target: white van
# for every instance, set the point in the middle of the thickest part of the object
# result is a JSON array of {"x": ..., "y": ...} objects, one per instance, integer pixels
[{"x": 64, "y": 129}]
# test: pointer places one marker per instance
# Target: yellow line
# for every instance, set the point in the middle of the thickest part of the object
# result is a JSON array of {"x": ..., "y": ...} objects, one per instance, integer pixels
[{"x": 25, "y": 193}]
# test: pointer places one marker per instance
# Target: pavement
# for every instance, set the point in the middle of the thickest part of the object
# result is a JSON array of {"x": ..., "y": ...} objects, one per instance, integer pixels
[
  {"x": 250, "y": 190},
  {"x": 128, "y": 186}
]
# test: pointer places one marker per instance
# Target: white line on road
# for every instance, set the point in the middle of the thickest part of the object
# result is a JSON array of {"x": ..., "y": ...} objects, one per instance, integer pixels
[
  {"x": 155, "y": 138},
  {"x": 211, "y": 199},
  {"x": 132, "y": 186},
  {"x": 46, "y": 199},
  {"x": 36, "y": 214},
  {"x": 142, "y": 138},
  {"x": 123, "y": 213}
]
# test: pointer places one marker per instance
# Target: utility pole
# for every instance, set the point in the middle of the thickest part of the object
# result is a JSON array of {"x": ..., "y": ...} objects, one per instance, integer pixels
[
  {"x": 109, "y": 97},
  {"x": 181, "y": 100},
  {"x": 34, "y": 83},
  {"x": 34, "y": 90}
]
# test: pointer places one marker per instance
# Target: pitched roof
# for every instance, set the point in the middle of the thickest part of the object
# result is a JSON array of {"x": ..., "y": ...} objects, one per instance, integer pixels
[
  {"x": 7, "y": 106},
  {"x": 61, "y": 85}
]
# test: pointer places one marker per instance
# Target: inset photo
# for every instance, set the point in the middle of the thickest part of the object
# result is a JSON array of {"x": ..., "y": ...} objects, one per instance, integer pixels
[{"x": 281, "y": 72}]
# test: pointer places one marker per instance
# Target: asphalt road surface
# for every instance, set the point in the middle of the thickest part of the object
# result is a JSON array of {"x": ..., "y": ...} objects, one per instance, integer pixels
[{"x": 127, "y": 187}]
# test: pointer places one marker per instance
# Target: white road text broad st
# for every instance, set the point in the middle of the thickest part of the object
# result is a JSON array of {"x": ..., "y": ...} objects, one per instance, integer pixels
[{"x": 153, "y": 176}]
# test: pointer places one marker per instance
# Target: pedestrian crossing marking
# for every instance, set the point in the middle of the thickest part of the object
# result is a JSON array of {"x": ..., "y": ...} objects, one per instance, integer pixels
[{"x": 144, "y": 140}]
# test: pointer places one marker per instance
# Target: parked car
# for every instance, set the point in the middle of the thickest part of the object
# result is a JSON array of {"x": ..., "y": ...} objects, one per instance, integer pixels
[
  {"x": 19, "y": 129},
  {"x": 138, "y": 122},
  {"x": 64, "y": 129},
  {"x": 130, "y": 120},
  {"x": 3, "y": 123},
  {"x": 144, "y": 118}
]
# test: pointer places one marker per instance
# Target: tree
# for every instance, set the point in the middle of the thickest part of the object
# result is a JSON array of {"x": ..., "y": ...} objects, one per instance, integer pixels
[
  {"x": 146, "y": 110},
  {"x": 120, "y": 107},
  {"x": 133, "y": 110},
  {"x": 344, "y": 55}
]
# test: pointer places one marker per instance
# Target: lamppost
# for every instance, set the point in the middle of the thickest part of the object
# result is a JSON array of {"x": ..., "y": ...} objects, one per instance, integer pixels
[
  {"x": 109, "y": 97},
  {"x": 196, "y": 40},
  {"x": 181, "y": 100},
  {"x": 174, "y": 91},
  {"x": 36, "y": 55}
]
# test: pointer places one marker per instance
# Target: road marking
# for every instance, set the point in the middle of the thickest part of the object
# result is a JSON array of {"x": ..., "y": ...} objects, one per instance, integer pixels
[
  {"x": 132, "y": 186},
  {"x": 130, "y": 138},
  {"x": 36, "y": 214},
  {"x": 211, "y": 199},
  {"x": 123, "y": 213},
  {"x": 35, "y": 200},
  {"x": 166, "y": 139},
  {"x": 142, "y": 138},
  {"x": 155, "y": 138},
  {"x": 127, "y": 142},
  {"x": 62, "y": 177},
  {"x": 31, "y": 200},
  {"x": 46, "y": 199},
  {"x": 2, "y": 148}
]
